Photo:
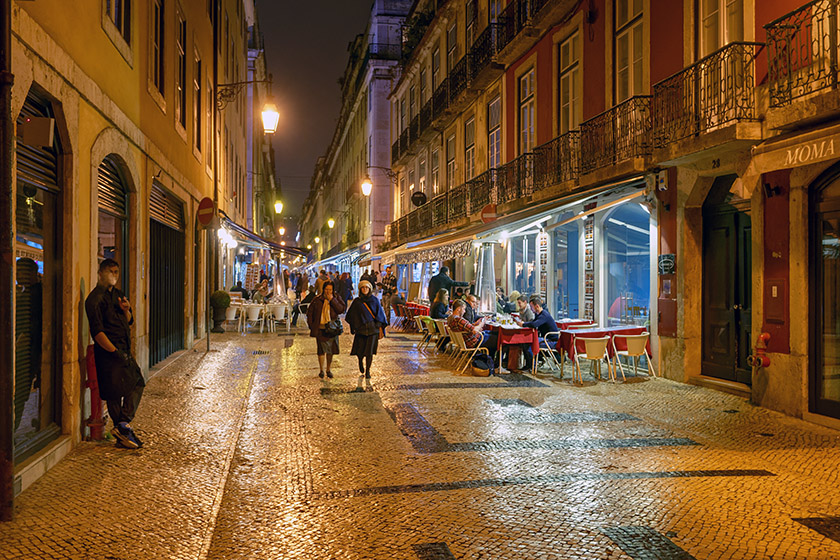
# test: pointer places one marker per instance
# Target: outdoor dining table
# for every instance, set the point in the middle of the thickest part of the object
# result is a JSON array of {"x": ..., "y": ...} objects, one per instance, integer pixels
[
  {"x": 566, "y": 343},
  {"x": 418, "y": 308},
  {"x": 514, "y": 336},
  {"x": 562, "y": 323}
]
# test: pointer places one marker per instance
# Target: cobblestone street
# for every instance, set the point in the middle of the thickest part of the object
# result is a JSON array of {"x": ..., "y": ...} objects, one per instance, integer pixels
[{"x": 248, "y": 454}]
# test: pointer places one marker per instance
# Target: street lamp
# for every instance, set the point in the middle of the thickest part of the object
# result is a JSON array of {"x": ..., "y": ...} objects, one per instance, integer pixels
[
  {"x": 309, "y": 247},
  {"x": 367, "y": 185},
  {"x": 278, "y": 207},
  {"x": 317, "y": 240},
  {"x": 331, "y": 223},
  {"x": 270, "y": 117},
  {"x": 282, "y": 230}
]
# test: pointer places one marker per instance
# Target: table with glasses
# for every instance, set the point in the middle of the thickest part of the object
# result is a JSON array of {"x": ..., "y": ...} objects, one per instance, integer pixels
[
  {"x": 565, "y": 323},
  {"x": 513, "y": 336}
]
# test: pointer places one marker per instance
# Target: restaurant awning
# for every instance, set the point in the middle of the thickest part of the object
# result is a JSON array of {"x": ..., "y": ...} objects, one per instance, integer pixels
[{"x": 253, "y": 240}]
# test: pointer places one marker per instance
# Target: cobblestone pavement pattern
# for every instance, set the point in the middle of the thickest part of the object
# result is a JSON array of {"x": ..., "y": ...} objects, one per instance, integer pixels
[{"x": 249, "y": 455}]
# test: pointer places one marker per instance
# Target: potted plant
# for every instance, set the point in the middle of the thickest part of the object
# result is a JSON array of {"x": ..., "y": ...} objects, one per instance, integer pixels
[{"x": 219, "y": 301}]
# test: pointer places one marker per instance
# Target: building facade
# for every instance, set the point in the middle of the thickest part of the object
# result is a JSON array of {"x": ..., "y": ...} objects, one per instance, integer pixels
[
  {"x": 645, "y": 162},
  {"x": 114, "y": 150},
  {"x": 359, "y": 149}
]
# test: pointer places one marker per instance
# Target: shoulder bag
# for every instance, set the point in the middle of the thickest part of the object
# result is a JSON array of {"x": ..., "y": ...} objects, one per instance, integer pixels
[{"x": 381, "y": 329}]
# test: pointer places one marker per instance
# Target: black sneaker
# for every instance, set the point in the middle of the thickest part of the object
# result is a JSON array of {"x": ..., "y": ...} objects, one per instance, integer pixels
[
  {"x": 329, "y": 374},
  {"x": 125, "y": 436},
  {"x": 367, "y": 375},
  {"x": 134, "y": 435},
  {"x": 321, "y": 374}
]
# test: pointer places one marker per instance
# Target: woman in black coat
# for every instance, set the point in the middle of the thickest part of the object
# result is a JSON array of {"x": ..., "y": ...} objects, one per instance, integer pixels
[{"x": 365, "y": 318}]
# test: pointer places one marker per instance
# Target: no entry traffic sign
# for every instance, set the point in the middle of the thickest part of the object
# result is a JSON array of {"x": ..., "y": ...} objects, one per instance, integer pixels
[
  {"x": 488, "y": 213},
  {"x": 205, "y": 211}
]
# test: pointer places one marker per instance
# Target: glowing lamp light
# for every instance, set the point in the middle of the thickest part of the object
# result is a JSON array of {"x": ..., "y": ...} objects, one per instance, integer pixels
[
  {"x": 367, "y": 186},
  {"x": 278, "y": 207},
  {"x": 331, "y": 223},
  {"x": 270, "y": 117},
  {"x": 309, "y": 247},
  {"x": 317, "y": 240},
  {"x": 283, "y": 243},
  {"x": 282, "y": 230}
]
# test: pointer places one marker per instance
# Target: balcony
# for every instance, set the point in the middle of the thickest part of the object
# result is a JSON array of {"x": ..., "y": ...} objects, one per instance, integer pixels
[
  {"x": 515, "y": 179},
  {"x": 414, "y": 130},
  {"x": 384, "y": 51},
  {"x": 482, "y": 57},
  {"x": 802, "y": 52},
  {"x": 616, "y": 135},
  {"x": 458, "y": 197},
  {"x": 513, "y": 20},
  {"x": 440, "y": 210},
  {"x": 459, "y": 78},
  {"x": 715, "y": 92},
  {"x": 440, "y": 99},
  {"x": 482, "y": 191},
  {"x": 557, "y": 161},
  {"x": 395, "y": 151}
]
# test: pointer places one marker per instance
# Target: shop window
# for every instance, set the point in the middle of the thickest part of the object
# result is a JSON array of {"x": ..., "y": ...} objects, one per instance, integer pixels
[
  {"x": 567, "y": 264},
  {"x": 524, "y": 263},
  {"x": 627, "y": 234}
]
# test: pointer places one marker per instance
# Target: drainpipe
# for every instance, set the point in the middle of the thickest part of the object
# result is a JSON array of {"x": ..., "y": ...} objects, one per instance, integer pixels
[{"x": 7, "y": 420}]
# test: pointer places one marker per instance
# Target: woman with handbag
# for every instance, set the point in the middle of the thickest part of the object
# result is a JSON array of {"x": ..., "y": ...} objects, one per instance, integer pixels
[
  {"x": 367, "y": 321},
  {"x": 325, "y": 325}
]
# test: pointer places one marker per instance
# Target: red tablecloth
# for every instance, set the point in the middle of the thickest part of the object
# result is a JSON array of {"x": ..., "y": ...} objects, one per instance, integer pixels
[
  {"x": 567, "y": 337},
  {"x": 516, "y": 335},
  {"x": 418, "y": 309}
]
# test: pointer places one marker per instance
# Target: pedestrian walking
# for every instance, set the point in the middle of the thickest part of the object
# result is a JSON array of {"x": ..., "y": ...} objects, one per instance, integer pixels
[
  {"x": 389, "y": 288},
  {"x": 319, "y": 282},
  {"x": 345, "y": 287},
  {"x": 120, "y": 381},
  {"x": 367, "y": 324},
  {"x": 324, "y": 309}
]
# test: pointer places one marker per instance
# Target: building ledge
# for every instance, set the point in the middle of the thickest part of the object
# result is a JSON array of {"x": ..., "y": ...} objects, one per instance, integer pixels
[
  {"x": 37, "y": 466},
  {"x": 726, "y": 386},
  {"x": 710, "y": 145},
  {"x": 621, "y": 170},
  {"x": 804, "y": 112}
]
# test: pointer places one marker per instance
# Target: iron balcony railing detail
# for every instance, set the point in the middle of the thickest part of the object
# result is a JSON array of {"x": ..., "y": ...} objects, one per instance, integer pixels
[
  {"x": 440, "y": 210},
  {"x": 414, "y": 129},
  {"x": 515, "y": 179},
  {"x": 426, "y": 116},
  {"x": 802, "y": 51},
  {"x": 615, "y": 135},
  {"x": 414, "y": 221},
  {"x": 484, "y": 49},
  {"x": 557, "y": 161},
  {"x": 715, "y": 91},
  {"x": 440, "y": 98},
  {"x": 395, "y": 151},
  {"x": 424, "y": 217},
  {"x": 482, "y": 191},
  {"x": 459, "y": 77},
  {"x": 384, "y": 51},
  {"x": 403, "y": 142},
  {"x": 458, "y": 202},
  {"x": 513, "y": 20}
]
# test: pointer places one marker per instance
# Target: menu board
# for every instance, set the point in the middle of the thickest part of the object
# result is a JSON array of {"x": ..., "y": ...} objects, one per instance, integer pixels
[
  {"x": 252, "y": 276},
  {"x": 542, "y": 263},
  {"x": 589, "y": 268}
]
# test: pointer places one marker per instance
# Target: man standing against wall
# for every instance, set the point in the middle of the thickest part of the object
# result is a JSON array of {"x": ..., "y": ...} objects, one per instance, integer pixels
[{"x": 120, "y": 381}]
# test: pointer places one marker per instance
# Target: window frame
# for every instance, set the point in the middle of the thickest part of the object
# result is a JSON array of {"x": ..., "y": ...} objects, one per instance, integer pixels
[
  {"x": 494, "y": 135},
  {"x": 180, "y": 86},
  {"x": 469, "y": 149},
  {"x": 526, "y": 106},
  {"x": 573, "y": 70},
  {"x": 627, "y": 29},
  {"x": 451, "y": 150}
]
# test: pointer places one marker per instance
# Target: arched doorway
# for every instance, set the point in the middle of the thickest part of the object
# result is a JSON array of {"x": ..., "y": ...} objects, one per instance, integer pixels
[
  {"x": 38, "y": 256},
  {"x": 113, "y": 216},
  {"x": 727, "y": 282},
  {"x": 824, "y": 386}
]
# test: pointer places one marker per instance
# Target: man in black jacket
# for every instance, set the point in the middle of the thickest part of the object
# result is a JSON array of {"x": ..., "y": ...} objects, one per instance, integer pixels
[
  {"x": 120, "y": 381},
  {"x": 442, "y": 281}
]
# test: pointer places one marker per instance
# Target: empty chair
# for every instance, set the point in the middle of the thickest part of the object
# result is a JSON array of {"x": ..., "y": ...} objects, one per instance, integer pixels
[
  {"x": 254, "y": 314},
  {"x": 277, "y": 313},
  {"x": 594, "y": 350},
  {"x": 230, "y": 313},
  {"x": 549, "y": 349},
  {"x": 636, "y": 347},
  {"x": 465, "y": 354},
  {"x": 422, "y": 329}
]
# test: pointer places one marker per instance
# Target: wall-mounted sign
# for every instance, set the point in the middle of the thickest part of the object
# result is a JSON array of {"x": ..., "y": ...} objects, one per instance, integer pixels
[
  {"x": 542, "y": 263},
  {"x": 488, "y": 213},
  {"x": 667, "y": 263},
  {"x": 418, "y": 198}
]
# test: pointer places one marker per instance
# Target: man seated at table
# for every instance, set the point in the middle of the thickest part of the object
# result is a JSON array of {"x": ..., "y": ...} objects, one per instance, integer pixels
[
  {"x": 474, "y": 333},
  {"x": 543, "y": 322},
  {"x": 242, "y": 291},
  {"x": 524, "y": 310},
  {"x": 471, "y": 313}
]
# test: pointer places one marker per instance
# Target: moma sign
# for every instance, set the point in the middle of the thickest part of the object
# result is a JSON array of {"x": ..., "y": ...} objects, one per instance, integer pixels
[
  {"x": 809, "y": 153},
  {"x": 798, "y": 154}
]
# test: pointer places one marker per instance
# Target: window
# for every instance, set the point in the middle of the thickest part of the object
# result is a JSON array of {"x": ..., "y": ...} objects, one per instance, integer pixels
[
  {"x": 450, "y": 161},
  {"x": 451, "y": 46},
  {"x": 495, "y": 10},
  {"x": 424, "y": 92},
  {"x": 494, "y": 136},
  {"x": 627, "y": 230},
  {"x": 181, "y": 75},
  {"x": 422, "y": 178},
  {"x": 412, "y": 102},
  {"x": 436, "y": 67},
  {"x": 403, "y": 122},
  {"x": 569, "y": 97},
  {"x": 469, "y": 150},
  {"x": 526, "y": 112},
  {"x": 722, "y": 22},
  {"x": 471, "y": 12},
  {"x": 401, "y": 200},
  {"x": 435, "y": 171},
  {"x": 119, "y": 12},
  {"x": 629, "y": 50},
  {"x": 158, "y": 44},
  {"x": 411, "y": 176},
  {"x": 197, "y": 93},
  {"x": 523, "y": 249},
  {"x": 567, "y": 270},
  {"x": 210, "y": 105}
]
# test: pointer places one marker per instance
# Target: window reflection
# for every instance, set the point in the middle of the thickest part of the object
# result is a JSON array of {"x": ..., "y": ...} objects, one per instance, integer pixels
[
  {"x": 567, "y": 270},
  {"x": 627, "y": 229}
]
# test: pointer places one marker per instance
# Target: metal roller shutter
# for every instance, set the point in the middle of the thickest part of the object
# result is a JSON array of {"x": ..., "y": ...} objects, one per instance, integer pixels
[
  {"x": 37, "y": 166},
  {"x": 112, "y": 192},
  {"x": 165, "y": 208}
]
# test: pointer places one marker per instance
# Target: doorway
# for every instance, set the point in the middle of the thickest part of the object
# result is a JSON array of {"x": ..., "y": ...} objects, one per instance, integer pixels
[{"x": 727, "y": 282}]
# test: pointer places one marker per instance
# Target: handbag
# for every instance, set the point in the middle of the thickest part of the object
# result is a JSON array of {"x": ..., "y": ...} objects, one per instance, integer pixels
[
  {"x": 381, "y": 330},
  {"x": 333, "y": 328}
]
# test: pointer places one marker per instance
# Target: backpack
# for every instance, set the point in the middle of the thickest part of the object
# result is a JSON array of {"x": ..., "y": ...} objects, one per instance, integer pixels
[{"x": 483, "y": 365}]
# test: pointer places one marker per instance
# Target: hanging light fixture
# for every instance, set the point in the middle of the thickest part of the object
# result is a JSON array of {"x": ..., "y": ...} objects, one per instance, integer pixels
[
  {"x": 331, "y": 223},
  {"x": 278, "y": 207},
  {"x": 367, "y": 186},
  {"x": 270, "y": 117}
]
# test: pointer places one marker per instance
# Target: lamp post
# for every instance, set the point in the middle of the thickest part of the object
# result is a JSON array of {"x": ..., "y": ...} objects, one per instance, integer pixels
[{"x": 278, "y": 207}]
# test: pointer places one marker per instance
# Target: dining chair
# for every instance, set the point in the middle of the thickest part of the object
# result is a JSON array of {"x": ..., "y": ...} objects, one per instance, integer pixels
[
  {"x": 465, "y": 354},
  {"x": 277, "y": 313},
  {"x": 594, "y": 350},
  {"x": 254, "y": 314},
  {"x": 431, "y": 329},
  {"x": 230, "y": 313},
  {"x": 551, "y": 340},
  {"x": 636, "y": 348}
]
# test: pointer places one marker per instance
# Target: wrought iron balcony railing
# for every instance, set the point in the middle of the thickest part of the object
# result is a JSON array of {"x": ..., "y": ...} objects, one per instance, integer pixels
[
  {"x": 515, "y": 179},
  {"x": 615, "y": 135},
  {"x": 384, "y": 51},
  {"x": 395, "y": 151},
  {"x": 557, "y": 161},
  {"x": 458, "y": 197},
  {"x": 425, "y": 217},
  {"x": 403, "y": 142},
  {"x": 484, "y": 49},
  {"x": 426, "y": 116},
  {"x": 482, "y": 191},
  {"x": 715, "y": 91},
  {"x": 440, "y": 210},
  {"x": 459, "y": 77},
  {"x": 414, "y": 129},
  {"x": 440, "y": 98},
  {"x": 513, "y": 20},
  {"x": 414, "y": 221},
  {"x": 802, "y": 51}
]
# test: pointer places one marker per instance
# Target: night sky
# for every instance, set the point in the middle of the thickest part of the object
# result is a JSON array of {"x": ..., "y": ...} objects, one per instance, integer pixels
[{"x": 306, "y": 51}]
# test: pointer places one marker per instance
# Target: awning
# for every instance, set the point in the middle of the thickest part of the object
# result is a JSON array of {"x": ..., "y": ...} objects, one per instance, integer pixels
[
  {"x": 254, "y": 240},
  {"x": 459, "y": 243}
]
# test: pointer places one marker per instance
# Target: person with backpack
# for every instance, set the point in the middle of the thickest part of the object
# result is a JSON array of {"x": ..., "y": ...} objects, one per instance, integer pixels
[{"x": 367, "y": 321}]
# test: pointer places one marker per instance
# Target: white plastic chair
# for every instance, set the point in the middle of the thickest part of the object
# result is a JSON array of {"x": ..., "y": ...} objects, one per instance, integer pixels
[
  {"x": 464, "y": 353},
  {"x": 595, "y": 350},
  {"x": 231, "y": 313},
  {"x": 277, "y": 313},
  {"x": 636, "y": 348},
  {"x": 254, "y": 314}
]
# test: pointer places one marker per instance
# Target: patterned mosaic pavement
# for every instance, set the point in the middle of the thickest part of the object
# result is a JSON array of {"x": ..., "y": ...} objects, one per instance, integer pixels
[{"x": 249, "y": 455}]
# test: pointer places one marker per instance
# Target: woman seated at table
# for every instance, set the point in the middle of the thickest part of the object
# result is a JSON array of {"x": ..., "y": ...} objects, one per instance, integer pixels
[
  {"x": 543, "y": 322},
  {"x": 474, "y": 333},
  {"x": 262, "y": 293},
  {"x": 440, "y": 306}
]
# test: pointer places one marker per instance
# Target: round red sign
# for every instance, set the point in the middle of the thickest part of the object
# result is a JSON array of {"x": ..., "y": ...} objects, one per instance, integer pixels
[{"x": 205, "y": 211}]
